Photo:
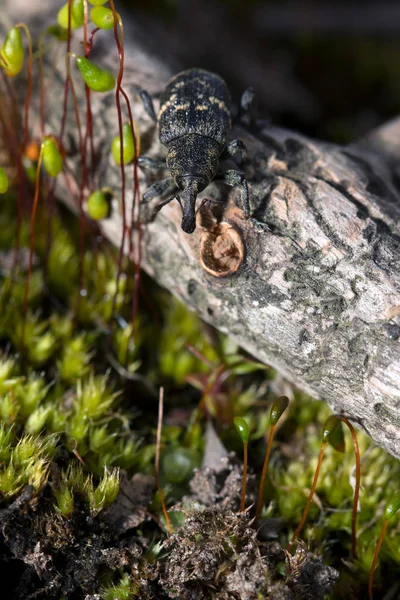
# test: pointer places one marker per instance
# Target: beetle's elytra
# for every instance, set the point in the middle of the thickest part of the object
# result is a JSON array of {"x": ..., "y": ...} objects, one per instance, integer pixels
[{"x": 194, "y": 122}]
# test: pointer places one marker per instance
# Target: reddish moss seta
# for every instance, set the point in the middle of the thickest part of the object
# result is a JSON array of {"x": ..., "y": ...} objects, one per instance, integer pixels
[
  {"x": 277, "y": 410},
  {"x": 391, "y": 510},
  {"x": 329, "y": 426},
  {"x": 157, "y": 460},
  {"x": 244, "y": 432},
  {"x": 357, "y": 486}
]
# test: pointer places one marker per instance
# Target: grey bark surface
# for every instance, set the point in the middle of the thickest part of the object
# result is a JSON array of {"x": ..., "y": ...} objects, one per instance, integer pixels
[{"x": 317, "y": 293}]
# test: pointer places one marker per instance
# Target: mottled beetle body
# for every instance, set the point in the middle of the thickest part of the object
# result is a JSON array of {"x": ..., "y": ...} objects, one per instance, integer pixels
[
  {"x": 194, "y": 122},
  {"x": 195, "y": 102}
]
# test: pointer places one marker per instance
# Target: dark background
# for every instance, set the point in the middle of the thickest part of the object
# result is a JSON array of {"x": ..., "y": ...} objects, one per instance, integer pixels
[{"x": 330, "y": 69}]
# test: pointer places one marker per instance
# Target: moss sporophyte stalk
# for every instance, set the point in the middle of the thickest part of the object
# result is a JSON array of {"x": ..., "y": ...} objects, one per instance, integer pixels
[{"x": 123, "y": 505}]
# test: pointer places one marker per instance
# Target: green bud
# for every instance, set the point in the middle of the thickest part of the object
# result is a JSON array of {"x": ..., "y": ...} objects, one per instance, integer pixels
[
  {"x": 102, "y": 17},
  {"x": 52, "y": 159},
  {"x": 98, "y": 206},
  {"x": 77, "y": 15},
  {"x": 12, "y": 52},
  {"x": 329, "y": 426},
  {"x": 128, "y": 143},
  {"x": 97, "y": 79},
  {"x": 8, "y": 410},
  {"x": 11, "y": 482},
  {"x": 5, "y": 443},
  {"x": 78, "y": 428},
  {"x": 127, "y": 453},
  {"x": 124, "y": 589},
  {"x": 64, "y": 500},
  {"x": 57, "y": 420},
  {"x": 242, "y": 428},
  {"x": 26, "y": 449},
  {"x": 106, "y": 492},
  {"x": 43, "y": 349},
  {"x": 38, "y": 473},
  {"x": 37, "y": 419},
  {"x": 393, "y": 506},
  {"x": 30, "y": 394},
  {"x": 3, "y": 181},
  {"x": 99, "y": 439},
  {"x": 6, "y": 371},
  {"x": 94, "y": 399},
  {"x": 75, "y": 358},
  {"x": 76, "y": 479},
  {"x": 97, "y": 2},
  {"x": 278, "y": 408}
]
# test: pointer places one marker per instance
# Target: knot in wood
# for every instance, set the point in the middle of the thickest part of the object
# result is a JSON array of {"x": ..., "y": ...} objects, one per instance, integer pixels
[{"x": 222, "y": 250}]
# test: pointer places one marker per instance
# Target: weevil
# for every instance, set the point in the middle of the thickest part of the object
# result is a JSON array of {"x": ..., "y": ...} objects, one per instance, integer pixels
[{"x": 194, "y": 122}]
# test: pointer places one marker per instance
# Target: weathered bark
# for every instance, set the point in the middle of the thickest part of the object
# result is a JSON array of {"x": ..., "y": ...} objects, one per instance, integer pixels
[{"x": 315, "y": 290}]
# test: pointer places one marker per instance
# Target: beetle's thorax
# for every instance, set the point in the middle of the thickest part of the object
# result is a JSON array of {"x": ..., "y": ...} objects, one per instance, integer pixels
[
  {"x": 193, "y": 156},
  {"x": 195, "y": 101}
]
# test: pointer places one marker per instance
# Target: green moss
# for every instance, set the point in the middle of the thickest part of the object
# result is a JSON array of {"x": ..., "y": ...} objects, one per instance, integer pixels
[
  {"x": 123, "y": 590},
  {"x": 25, "y": 462},
  {"x": 180, "y": 329}
]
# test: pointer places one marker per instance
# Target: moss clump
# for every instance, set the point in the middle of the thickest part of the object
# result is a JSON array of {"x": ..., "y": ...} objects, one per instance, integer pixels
[{"x": 78, "y": 402}]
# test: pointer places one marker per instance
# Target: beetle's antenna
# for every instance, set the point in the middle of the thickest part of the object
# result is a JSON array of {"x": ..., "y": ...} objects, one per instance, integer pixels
[{"x": 164, "y": 203}]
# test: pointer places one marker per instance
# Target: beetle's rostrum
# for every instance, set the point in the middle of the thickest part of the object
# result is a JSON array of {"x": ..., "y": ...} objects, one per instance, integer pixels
[{"x": 194, "y": 122}]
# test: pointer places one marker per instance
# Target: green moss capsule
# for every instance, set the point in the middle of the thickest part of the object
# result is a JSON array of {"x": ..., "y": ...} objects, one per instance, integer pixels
[
  {"x": 98, "y": 206},
  {"x": 129, "y": 145},
  {"x": 329, "y": 427},
  {"x": 393, "y": 506},
  {"x": 242, "y": 428},
  {"x": 12, "y": 52},
  {"x": 278, "y": 408},
  {"x": 102, "y": 17},
  {"x": 97, "y": 2},
  {"x": 77, "y": 15},
  {"x": 52, "y": 159},
  {"x": 97, "y": 79},
  {"x": 336, "y": 438},
  {"x": 3, "y": 181}
]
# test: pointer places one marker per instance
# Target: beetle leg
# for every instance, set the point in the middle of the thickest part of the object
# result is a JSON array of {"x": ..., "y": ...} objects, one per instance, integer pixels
[
  {"x": 233, "y": 178},
  {"x": 158, "y": 189},
  {"x": 145, "y": 162},
  {"x": 233, "y": 148},
  {"x": 148, "y": 105},
  {"x": 247, "y": 105},
  {"x": 203, "y": 202}
]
